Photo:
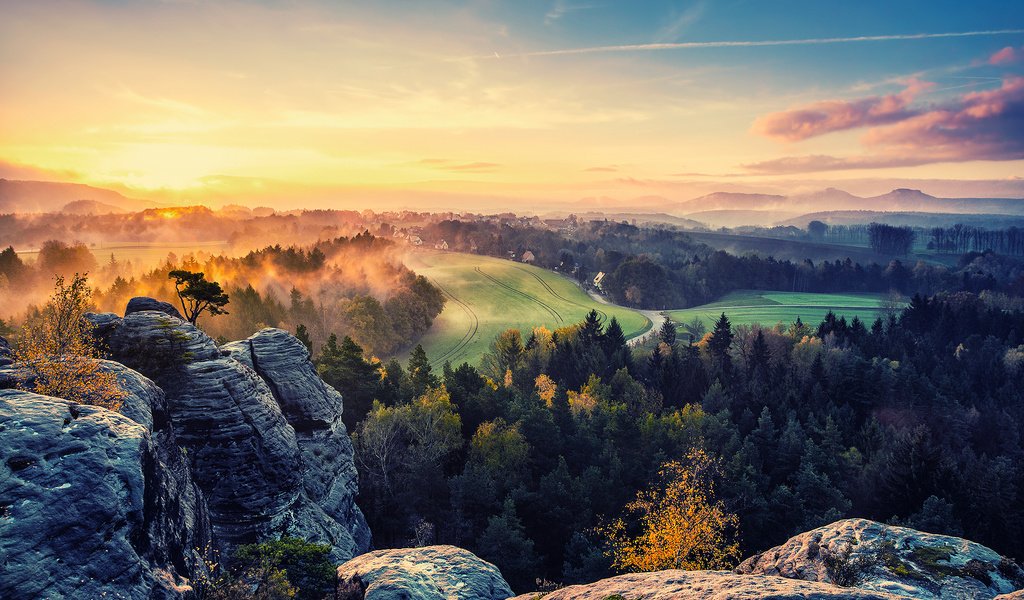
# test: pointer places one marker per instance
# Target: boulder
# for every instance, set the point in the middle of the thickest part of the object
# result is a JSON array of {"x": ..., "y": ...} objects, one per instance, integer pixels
[
  {"x": 92, "y": 505},
  {"x": 141, "y": 303},
  {"x": 905, "y": 562},
  {"x": 706, "y": 585},
  {"x": 429, "y": 573},
  {"x": 262, "y": 476}
]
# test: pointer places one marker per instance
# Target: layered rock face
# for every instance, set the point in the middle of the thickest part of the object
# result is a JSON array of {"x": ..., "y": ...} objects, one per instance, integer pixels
[
  {"x": 313, "y": 409},
  {"x": 92, "y": 503},
  {"x": 430, "y": 573},
  {"x": 706, "y": 585},
  {"x": 210, "y": 449},
  {"x": 905, "y": 562},
  {"x": 263, "y": 433}
]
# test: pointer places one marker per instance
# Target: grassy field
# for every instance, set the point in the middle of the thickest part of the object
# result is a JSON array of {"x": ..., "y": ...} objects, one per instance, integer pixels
[
  {"x": 488, "y": 295},
  {"x": 769, "y": 308}
]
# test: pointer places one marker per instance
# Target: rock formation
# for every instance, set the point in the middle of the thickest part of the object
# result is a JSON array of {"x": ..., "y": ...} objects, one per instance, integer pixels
[
  {"x": 430, "y": 573},
  {"x": 263, "y": 433},
  {"x": 705, "y": 585},
  {"x": 211, "y": 448},
  {"x": 92, "y": 504},
  {"x": 906, "y": 562}
]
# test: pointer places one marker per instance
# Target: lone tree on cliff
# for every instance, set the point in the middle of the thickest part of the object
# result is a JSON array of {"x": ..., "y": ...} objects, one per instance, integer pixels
[{"x": 197, "y": 294}]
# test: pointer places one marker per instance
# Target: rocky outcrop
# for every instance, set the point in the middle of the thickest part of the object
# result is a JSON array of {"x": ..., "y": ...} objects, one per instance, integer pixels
[
  {"x": 263, "y": 433},
  {"x": 905, "y": 562},
  {"x": 92, "y": 504},
  {"x": 141, "y": 303},
  {"x": 313, "y": 409},
  {"x": 705, "y": 585},
  {"x": 430, "y": 573}
]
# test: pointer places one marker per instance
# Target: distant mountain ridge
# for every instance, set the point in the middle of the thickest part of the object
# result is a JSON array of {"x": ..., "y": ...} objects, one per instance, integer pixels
[
  {"x": 832, "y": 199},
  {"x": 77, "y": 198}
]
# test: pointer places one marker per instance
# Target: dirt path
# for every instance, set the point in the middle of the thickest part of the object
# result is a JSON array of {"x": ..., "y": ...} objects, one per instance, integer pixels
[{"x": 654, "y": 318}]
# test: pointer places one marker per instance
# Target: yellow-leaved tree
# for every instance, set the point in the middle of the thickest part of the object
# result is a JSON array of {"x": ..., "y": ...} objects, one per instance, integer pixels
[
  {"x": 677, "y": 524},
  {"x": 58, "y": 346}
]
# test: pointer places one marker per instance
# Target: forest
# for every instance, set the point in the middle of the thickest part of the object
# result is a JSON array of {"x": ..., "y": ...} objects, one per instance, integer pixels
[
  {"x": 662, "y": 268},
  {"x": 915, "y": 420},
  {"x": 355, "y": 286}
]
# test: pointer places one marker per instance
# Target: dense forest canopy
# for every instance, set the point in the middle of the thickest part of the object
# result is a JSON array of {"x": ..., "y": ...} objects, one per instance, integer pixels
[{"x": 914, "y": 420}]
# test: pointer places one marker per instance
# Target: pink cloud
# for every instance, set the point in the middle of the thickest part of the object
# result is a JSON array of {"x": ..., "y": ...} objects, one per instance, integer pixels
[
  {"x": 986, "y": 125},
  {"x": 828, "y": 116},
  {"x": 1006, "y": 55}
]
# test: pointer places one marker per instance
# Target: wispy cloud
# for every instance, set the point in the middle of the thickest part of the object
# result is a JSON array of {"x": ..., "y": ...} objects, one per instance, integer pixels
[
  {"x": 446, "y": 164},
  {"x": 828, "y": 116},
  {"x": 561, "y": 8},
  {"x": 680, "y": 23},
  {"x": 1008, "y": 54},
  {"x": 985, "y": 125},
  {"x": 756, "y": 43},
  {"x": 608, "y": 169}
]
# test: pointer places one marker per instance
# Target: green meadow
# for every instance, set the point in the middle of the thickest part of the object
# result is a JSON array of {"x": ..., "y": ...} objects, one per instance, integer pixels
[
  {"x": 768, "y": 308},
  {"x": 486, "y": 296}
]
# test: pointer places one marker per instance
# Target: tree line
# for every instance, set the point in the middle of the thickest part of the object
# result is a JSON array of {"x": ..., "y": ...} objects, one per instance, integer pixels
[{"x": 529, "y": 459}]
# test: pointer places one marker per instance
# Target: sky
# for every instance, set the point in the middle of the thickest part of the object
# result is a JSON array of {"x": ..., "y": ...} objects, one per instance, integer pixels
[{"x": 435, "y": 104}]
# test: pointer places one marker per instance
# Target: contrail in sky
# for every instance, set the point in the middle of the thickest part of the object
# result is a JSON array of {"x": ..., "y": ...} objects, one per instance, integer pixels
[{"x": 758, "y": 43}]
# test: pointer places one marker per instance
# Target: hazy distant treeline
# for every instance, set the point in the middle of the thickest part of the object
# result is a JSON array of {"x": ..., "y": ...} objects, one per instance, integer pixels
[
  {"x": 959, "y": 239},
  {"x": 355, "y": 286}
]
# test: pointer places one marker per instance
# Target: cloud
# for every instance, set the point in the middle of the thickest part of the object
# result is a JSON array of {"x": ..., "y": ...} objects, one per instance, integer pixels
[
  {"x": 1006, "y": 55},
  {"x": 446, "y": 164},
  {"x": 823, "y": 162},
  {"x": 19, "y": 171},
  {"x": 610, "y": 169},
  {"x": 828, "y": 116},
  {"x": 754, "y": 43},
  {"x": 561, "y": 8},
  {"x": 682, "y": 22},
  {"x": 986, "y": 125}
]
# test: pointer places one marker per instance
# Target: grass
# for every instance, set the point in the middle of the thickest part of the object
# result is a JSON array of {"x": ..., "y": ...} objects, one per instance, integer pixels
[
  {"x": 768, "y": 308},
  {"x": 489, "y": 295}
]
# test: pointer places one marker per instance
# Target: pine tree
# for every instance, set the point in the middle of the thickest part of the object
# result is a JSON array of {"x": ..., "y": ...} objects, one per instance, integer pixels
[
  {"x": 344, "y": 368},
  {"x": 504, "y": 543},
  {"x": 720, "y": 342},
  {"x": 302, "y": 334},
  {"x": 667, "y": 333},
  {"x": 590, "y": 329},
  {"x": 420, "y": 371}
]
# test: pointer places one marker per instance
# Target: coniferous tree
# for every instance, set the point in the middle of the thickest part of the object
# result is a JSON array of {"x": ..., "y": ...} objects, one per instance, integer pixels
[{"x": 667, "y": 333}]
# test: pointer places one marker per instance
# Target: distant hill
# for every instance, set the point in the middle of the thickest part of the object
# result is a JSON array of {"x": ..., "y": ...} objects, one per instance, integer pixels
[
  {"x": 48, "y": 196},
  {"x": 913, "y": 219},
  {"x": 91, "y": 207},
  {"x": 733, "y": 201},
  {"x": 750, "y": 209},
  {"x": 736, "y": 218}
]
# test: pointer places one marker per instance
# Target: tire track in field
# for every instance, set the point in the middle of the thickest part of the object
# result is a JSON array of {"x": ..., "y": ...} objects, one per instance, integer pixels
[
  {"x": 470, "y": 333},
  {"x": 551, "y": 290},
  {"x": 554, "y": 313}
]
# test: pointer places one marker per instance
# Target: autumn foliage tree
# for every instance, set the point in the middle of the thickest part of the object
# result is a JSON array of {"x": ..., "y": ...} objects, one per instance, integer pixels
[
  {"x": 59, "y": 349},
  {"x": 678, "y": 524},
  {"x": 197, "y": 294}
]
